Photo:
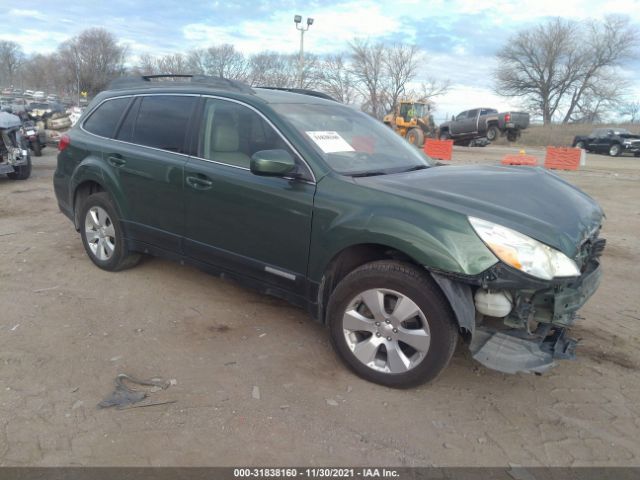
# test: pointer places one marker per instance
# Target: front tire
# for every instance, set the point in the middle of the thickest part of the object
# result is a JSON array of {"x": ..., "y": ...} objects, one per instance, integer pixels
[
  {"x": 391, "y": 324},
  {"x": 102, "y": 234}
]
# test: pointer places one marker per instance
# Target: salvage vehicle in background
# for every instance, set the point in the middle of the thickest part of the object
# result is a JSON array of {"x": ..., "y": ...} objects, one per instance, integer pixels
[
  {"x": 34, "y": 137},
  {"x": 314, "y": 202},
  {"x": 412, "y": 121},
  {"x": 612, "y": 141},
  {"x": 484, "y": 123},
  {"x": 15, "y": 161}
]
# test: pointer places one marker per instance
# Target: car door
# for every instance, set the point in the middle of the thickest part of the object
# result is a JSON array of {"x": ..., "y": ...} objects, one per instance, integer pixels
[
  {"x": 147, "y": 161},
  {"x": 254, "y": 225},
  {"x": 603, "y": 140},
  {"x": 458, "y": 124}
]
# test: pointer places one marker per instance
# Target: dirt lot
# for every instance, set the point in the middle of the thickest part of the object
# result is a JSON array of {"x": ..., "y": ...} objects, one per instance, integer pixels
[{"x": 67, "y": 328}]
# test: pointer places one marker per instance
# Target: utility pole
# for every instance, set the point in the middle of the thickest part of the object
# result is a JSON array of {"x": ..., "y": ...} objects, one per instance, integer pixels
[{"x": 298, "y": 21}]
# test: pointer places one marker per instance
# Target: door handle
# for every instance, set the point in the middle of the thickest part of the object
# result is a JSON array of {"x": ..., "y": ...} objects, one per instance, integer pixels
[
  {"x": 199, "y": 182},
  {"x": 116, "y": 160}
]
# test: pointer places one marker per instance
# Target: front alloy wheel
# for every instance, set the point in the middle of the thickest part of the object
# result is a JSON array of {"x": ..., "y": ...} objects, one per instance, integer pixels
[
  {"x": 615, "y": 150},
  {"x": 386, "y": 331},
  {"x": 391, "y": 324}
]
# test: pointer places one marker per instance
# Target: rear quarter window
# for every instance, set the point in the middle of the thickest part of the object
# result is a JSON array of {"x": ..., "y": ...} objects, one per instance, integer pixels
[{"x": 104, "y": 120}]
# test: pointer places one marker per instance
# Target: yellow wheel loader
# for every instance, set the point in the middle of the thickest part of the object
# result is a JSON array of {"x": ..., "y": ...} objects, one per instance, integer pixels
[{"x": 412, "y": 120}]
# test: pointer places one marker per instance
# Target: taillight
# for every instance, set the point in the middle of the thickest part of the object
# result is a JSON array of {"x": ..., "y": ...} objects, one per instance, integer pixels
[
  {"x": 64, "y": 142},
  {"x": 507, "y": 117}
]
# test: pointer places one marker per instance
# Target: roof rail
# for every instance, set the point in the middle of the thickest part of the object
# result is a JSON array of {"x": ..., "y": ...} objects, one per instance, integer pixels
[
  {"x": 303, "y": 91},
  {"x": 214, "y": 82}
]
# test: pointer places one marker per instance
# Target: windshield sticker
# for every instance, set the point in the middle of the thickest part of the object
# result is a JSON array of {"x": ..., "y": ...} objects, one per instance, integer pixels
[{"x": 330, "y": 142}]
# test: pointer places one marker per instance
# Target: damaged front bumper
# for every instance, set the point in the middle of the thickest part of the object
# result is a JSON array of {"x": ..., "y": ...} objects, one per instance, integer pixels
[{"x": 535, "y": 332}]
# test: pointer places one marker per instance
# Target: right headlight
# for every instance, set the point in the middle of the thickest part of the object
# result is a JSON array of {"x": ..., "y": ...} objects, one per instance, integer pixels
[{"x": 523, "y": 252}]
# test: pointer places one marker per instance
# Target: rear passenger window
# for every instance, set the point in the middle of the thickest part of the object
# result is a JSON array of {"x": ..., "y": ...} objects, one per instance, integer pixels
[
  {"x": 162, "y": 122},
  {"x": 104, "y": 120},
  {"x": 125, "y": 133}
]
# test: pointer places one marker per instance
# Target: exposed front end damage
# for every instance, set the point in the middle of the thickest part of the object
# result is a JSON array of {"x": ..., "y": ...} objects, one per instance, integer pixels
[{"x": 517, "y": 323}]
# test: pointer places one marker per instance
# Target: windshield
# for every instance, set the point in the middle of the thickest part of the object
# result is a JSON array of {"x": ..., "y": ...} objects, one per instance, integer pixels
[{"x": 351, "y": 142}]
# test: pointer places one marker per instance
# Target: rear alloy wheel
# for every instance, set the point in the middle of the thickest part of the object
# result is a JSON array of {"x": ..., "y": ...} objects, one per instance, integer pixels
[
  {"x": 444, "y": 135},
  {"x": 580, "y": 145},
  {"x": 102, "y": 235},
  {"x": 615, "y": 150},
  {"x": 391, "y": 324}
]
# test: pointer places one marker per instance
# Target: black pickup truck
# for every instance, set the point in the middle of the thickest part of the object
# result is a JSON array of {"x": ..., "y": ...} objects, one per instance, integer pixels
[
  {"x": 612, "y": 141},
  {"x": 484, "y": 123}
]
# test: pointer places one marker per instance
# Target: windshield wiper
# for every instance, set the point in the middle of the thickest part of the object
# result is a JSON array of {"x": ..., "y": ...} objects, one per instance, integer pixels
[
  {"x": 413, "y": 169},
  {"x": 370, "y": 173}
]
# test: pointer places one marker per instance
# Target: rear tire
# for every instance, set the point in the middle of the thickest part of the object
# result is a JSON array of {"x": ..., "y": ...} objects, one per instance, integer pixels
[
  {"x": 21, "y": 172},
  {"x": 379, "y": 307},
  {"x": 37, "y": 148},
  {"x": 444, "y": 135},
  {"x": 493, "y": 133},
  {"x": 580, "y": 145},
  {"x": 102, "y": 234},
  {"x": 512, "y": 136}
]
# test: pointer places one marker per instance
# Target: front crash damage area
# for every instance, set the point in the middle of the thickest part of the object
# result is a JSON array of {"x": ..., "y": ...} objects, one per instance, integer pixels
[{"x": 516, "y": 323}]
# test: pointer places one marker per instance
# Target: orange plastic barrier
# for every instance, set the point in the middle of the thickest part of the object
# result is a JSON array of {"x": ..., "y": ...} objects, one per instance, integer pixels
[
  {"x": 520, "y": 159},
  {"x": 562, "y": 158},
  {"x": 440, "y": 149}
]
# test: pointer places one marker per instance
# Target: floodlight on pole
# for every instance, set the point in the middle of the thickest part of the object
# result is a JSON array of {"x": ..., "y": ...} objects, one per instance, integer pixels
[{"x": 297, "y": 19}]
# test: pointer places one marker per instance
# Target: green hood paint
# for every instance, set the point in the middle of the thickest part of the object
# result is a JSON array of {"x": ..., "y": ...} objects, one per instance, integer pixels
[{"x": 532, "y": 201}]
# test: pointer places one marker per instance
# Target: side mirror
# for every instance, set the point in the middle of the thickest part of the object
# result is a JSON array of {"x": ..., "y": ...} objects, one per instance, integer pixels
[{"x": 274, "y": 163}]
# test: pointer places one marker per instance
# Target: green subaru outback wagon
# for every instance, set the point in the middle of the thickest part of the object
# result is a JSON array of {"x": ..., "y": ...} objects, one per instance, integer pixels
[{"x": 312, "y": 201}]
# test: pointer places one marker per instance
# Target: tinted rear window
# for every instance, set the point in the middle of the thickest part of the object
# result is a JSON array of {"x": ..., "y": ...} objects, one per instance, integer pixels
[
  {"x": 162, "y": 122},
  {"x": 104, "y": 120}
]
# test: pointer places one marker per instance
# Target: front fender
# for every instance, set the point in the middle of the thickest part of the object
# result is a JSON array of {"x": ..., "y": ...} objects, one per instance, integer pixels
[{"x": 434, "y": 237}]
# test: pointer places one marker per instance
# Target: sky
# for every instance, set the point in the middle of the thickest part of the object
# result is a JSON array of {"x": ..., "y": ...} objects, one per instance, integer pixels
[{"x": 459, "y": 38}]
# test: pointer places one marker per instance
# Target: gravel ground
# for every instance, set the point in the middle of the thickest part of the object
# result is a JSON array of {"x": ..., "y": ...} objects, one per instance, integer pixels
[{"x": 256, "y": 381}]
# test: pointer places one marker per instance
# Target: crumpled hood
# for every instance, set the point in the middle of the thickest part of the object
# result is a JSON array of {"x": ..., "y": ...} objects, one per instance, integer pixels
[{"x": 533, "y": 201}]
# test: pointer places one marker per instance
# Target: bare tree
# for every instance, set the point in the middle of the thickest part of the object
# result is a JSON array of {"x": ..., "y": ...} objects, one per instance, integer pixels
[
  {"x": 631, "y": 109},
  {"x": 174, "y": 64},
  {"x": 196, "y": 60},
  {"x": 605, "y": 45},
  {"x": 336, "y": 79},
  {"x": 368, "y": 69},
  {"x": 226, "y": 62},
  {"x": 553, "y": 65},
  {"x": 11, "y": 58},
  {"x": 92, "y": 59},
  {"x": 401, "y": 64},
  {"x": 273, "y": 69}
]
